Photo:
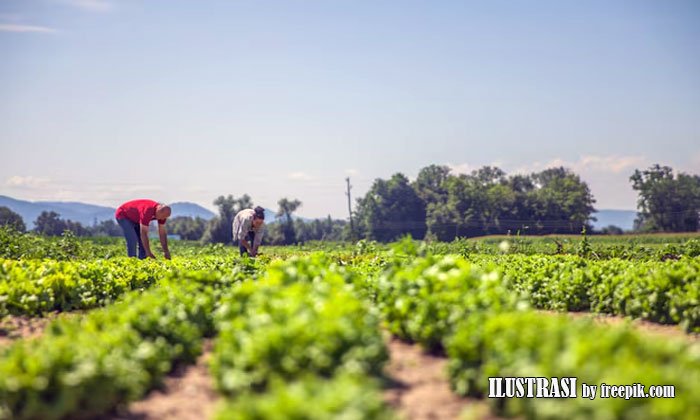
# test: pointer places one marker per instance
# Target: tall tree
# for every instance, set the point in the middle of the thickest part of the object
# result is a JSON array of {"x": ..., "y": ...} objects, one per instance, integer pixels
[
  {"x": 286, "y": 208},
  {"x": 187, "y": 228},
  {"x": 243, "y": 203},
  {"x": 49, "y": 223},
  {"x": 430, "y": 183},
  {"x": 391, "y": 209},
  {"x": 11, "y": 219},
  {"x": 106, "y": 228},
  {"x": 666, "y": 202},
  {"x": 219, "y": 228},
  {"x": 563, "y": 202}
]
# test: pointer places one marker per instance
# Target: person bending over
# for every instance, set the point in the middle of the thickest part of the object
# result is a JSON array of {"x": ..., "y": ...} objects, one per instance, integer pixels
[
  {"x": 248, "y": 230},
  {"x": 134, "y": 218}
]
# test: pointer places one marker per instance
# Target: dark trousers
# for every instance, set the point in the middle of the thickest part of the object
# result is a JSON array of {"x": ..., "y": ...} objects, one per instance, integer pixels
[
  {"x": 132, "y": 233},
  {"x": 250, "y": 237}
]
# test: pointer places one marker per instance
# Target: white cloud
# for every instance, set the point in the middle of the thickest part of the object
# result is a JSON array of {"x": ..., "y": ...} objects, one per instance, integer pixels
[
  {"x": 11, "y": 27},
  {"x": 300, "y": 176},
  {"x": 351, "y": 172},
  {"x": 27, "y": 182},
  {"x": 91, "y": 5},
  {"x": 694, "y": 167},
  {"x": 603, "y": 164},
  {"x": 607, "y": 176},
  {"x": 614, "y": 164},
  {"x": 456, "y": 169}
]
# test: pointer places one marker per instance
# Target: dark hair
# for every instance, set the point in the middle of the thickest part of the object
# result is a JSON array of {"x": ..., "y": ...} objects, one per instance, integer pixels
[{"x": 259, "y": 213}]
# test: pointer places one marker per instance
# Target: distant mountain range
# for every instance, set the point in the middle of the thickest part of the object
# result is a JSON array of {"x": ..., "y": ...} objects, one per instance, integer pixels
[{"x": 88, "y": 214}]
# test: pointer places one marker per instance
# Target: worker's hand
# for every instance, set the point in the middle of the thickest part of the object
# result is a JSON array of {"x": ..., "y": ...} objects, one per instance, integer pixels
[{"x": 167, "y": 255}]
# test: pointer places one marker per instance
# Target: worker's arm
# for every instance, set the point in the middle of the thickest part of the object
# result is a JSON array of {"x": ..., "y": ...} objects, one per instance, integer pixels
[
  {"x": 257, "y": 241},
  {"x": 144, "y": 241},
  {"x": 245, "y": 243},
  {"x": 162, "y": 234}
]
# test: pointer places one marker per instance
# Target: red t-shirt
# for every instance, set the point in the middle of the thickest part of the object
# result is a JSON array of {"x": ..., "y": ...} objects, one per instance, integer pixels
[{"x": 139, "y": 211}]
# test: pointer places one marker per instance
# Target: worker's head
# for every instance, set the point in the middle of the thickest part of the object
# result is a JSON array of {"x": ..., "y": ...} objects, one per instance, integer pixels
[
  {"x": 259, "y": 216},
  {"x": 162, "y": 212}
]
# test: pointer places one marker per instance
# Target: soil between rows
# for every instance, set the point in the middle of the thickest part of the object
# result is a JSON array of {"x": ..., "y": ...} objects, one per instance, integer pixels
[
  {"x": 15, "y": 327},
  {"x": 640, "y": 325},
  {"x": 187, "y": 394},
  {"x": 419, "y": 387}
]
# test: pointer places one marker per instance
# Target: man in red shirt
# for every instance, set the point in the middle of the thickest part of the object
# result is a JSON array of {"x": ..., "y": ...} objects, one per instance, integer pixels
[{"x": 134, "y": 218}]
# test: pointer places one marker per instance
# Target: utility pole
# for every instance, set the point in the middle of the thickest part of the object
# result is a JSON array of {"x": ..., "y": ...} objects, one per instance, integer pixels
[{"x": 352, "y": 227}]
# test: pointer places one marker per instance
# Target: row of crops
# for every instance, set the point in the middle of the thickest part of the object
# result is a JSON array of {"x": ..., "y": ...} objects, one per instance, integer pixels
[
  {"x": 35, "y": 287},
  {"x": 300, "y": 337},
  {"x": 296, "y": 342},
  {"x": 487, "y": 330},
  {"x": 666, "y": 292},
  {"x": 660, "y": 247}
]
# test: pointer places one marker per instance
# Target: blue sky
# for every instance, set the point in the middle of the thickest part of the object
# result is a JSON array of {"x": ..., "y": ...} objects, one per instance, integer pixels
[{"x": 105, "y": 100}]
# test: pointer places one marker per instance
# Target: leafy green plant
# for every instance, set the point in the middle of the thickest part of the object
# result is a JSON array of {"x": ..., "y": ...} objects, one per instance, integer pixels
[
  {"x": 527, "y": 344},
  {"x": 299, "y": 318},
  {"x": 343, "y": 397},
  {"x": 85, "y": 366}
]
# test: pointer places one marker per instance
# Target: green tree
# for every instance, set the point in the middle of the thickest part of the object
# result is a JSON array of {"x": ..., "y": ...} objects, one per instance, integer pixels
[
  {"x": 441, "y": 221},
  {"x": 12, "y": 219},
  {"x": 488, "y": 176},
  {"x": 666, "y": 202},
  {"x": 49, "y": 223},
  {"x": 465, "y": 209},
  {"x": 321, "y": 230},
  {"x": 488, "y": 202},
  {"x": 243, "y": 203},
  {"x": 187, "y": 228},
  {"x": 391, "y": 209},
  {"x": 562, "y": 202},
  {"x": 77, "y": 228},
  {"x": 431, "y": 186},
  {"x": 219, "y": 228},
  {"x": 286, "y": 208},
  {"x": 106, "y": 228},
  {"x": 430, "y": 183},
  {"x": 612, "y": 230},
  {"x": 273, "y": 234}
]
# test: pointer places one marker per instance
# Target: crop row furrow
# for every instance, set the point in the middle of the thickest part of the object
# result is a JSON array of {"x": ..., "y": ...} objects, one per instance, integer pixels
[{"x": 487, "y": 330}]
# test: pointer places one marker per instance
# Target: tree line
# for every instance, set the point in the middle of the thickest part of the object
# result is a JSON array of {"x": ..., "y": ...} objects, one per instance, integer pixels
[
  {"x": 443, "y": 206},
  {"x": 285, "y": 230},
  {"x": 49, "y": 223},
  {"x": 439, "y": 205}
]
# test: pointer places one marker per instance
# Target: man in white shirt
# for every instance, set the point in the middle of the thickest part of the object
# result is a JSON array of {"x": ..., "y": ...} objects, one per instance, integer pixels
[{"x": 248, "y": 230}]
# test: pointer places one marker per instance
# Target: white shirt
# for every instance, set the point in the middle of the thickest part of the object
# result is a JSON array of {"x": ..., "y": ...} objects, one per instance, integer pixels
[{"x": 243, "y": 223}]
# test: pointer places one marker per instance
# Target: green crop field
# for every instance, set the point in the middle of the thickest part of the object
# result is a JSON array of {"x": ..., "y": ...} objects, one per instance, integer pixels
[{"x": 301, "y": 331}]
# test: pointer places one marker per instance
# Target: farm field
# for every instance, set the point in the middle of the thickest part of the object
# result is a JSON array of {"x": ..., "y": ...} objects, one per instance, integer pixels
[{"x": 347, "y": 331}]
